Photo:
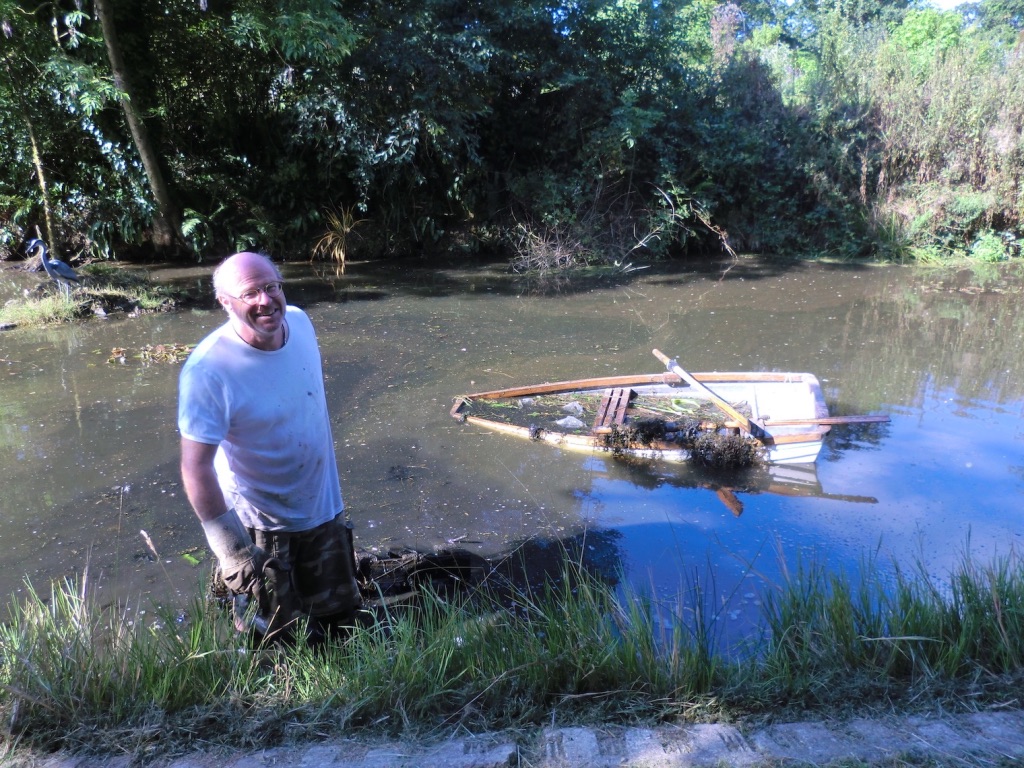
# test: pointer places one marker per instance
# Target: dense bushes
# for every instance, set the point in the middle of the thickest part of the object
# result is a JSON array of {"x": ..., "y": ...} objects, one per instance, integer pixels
[
  {"x": 923, "y": 120},
  {"x": 559, "y": 134}
]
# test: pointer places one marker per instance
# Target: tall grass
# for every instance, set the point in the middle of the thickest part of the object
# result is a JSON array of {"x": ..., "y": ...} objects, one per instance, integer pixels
[
  {"x": 75, "y": 676},
  {"x": 104, "y": 289},
  {"x": 938, "y": 135},
  {"x": 54, "y": 308},
  {"x": 72, "y": 670},
  {"x": 827, "y": 630}
]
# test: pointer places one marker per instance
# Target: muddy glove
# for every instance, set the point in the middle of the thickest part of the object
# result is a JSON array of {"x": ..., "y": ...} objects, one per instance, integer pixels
[{"x": 241, "y": 561}]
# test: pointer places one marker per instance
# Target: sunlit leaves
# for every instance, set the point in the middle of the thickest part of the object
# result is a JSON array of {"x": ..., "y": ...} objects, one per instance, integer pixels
[
  {"x": 310, "y": 31},
  {"x": 926, "y": 34}
]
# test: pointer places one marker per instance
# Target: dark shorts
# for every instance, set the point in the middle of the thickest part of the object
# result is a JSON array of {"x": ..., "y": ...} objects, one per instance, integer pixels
[{"x": 322, "y": 578}]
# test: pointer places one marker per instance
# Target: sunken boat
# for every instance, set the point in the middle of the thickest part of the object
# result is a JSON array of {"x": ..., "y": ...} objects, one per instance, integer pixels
[{"x": 720, "y": 419}]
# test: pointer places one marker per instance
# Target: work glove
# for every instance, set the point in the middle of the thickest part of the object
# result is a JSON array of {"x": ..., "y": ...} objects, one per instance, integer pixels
[{"x": 241, "y": 561}]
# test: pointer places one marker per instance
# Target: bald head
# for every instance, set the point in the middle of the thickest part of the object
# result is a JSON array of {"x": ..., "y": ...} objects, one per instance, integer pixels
[{"x": 228, "y": 273}]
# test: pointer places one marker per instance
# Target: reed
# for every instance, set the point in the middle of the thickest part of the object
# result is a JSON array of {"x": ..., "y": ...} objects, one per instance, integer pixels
[
  {"x": 829, "y": 632},
  {"x": 74, "y": 675}
]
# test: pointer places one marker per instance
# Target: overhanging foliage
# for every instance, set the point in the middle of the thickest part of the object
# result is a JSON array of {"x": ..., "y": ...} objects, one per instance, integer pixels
[{"x": 629, "y": 129}]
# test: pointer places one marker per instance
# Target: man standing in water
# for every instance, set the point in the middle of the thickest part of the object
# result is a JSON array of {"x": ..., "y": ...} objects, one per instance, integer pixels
[{"x": 257, "y": 456}]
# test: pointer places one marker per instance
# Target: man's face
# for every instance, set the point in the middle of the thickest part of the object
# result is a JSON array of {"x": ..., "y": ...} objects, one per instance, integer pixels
[{"x": 260, "y": 323}]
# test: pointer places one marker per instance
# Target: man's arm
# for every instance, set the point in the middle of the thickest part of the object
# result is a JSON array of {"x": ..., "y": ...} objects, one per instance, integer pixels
[
  {"x": 241, "y": 561},
  {"x": 200, "y": 480}
]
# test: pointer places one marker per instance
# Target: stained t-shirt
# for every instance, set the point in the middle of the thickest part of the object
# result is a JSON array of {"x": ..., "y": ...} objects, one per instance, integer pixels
[{"x": 267, "y": 413}]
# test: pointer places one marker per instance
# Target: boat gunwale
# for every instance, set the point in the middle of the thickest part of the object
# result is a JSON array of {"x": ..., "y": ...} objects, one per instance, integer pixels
[{"x": 556, "y": 387}]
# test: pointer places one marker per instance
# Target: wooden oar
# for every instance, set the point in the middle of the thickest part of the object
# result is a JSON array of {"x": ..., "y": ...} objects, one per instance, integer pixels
[
  {"x": 727, "y": 497},
  {"x": 742, "y": 421}
]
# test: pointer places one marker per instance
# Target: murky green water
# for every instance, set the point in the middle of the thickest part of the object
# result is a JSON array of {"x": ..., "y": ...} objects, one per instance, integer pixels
[{"x": 88, "y": 448}]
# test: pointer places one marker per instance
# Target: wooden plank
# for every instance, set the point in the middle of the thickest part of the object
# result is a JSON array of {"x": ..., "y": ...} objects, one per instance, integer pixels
[
  {"x": 612, "y": 409},
  {"x": 828, "y": 420},
  {"x": 625, "y": 395},
  {"x": 603, "y": 408},
  {"x": 727, "y": 497},
  {"x": 557, "y": 387},
  {"x": 608, "y": 382}
]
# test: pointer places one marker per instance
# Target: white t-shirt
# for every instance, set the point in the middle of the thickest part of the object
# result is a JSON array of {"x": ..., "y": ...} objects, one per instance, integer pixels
[{"x": 267, "y": 413}]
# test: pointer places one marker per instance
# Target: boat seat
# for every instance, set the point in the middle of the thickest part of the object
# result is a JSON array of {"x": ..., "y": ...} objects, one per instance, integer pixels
[{"x": 613, "y": 407}]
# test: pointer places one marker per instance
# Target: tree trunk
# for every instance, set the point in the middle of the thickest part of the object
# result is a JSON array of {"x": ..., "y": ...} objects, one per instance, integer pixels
[
  {"x": 37, "y": 161},
  {"x": 166, "y": 221}
]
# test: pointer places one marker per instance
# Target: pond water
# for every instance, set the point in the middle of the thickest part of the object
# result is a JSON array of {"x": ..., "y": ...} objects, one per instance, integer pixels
[{"x": 88, "y": 447}]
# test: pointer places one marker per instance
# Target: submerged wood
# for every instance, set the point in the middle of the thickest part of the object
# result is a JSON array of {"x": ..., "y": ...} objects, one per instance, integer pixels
[{"x": 788, "y": 409}]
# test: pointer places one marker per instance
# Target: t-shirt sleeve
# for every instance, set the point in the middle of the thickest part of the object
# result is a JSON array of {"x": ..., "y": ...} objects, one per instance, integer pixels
[{"x": 202, "y": 410}]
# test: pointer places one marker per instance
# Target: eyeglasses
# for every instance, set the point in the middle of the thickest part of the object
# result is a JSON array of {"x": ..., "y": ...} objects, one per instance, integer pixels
[{"x": 253, "y": 294}]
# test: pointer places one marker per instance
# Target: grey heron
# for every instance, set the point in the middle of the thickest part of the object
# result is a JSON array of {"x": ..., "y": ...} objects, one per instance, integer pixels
[{"x": 55, "y": 268}]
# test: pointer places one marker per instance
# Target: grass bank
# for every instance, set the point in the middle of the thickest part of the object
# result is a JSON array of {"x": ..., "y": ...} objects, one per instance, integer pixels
[
  {"x": 104, "y": 290},
  {"x": 76, "y": 677}
]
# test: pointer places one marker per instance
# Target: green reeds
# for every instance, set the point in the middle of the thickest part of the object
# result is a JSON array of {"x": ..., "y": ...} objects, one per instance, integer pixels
[
  {"x": 49, "y": 309},
  {"x": 487, "y": 663},
  {"x": 908, "y": 629},
  {"x": 69, "y": 667},
  {"x": 75, "y": 675},
  {"x": 71, "y": 673}
]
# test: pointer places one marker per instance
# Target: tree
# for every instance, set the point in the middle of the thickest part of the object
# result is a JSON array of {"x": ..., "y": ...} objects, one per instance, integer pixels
[
  {"x": 166, "y": 219},
  {"x": 48, "y": 101}
]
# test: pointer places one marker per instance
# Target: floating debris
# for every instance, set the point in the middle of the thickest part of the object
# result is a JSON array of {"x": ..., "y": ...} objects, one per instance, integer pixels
[
  {"x": 652, "y": 416},
  {"x": 708, "y": 443},
  {"x": 159, "y": 353}
]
